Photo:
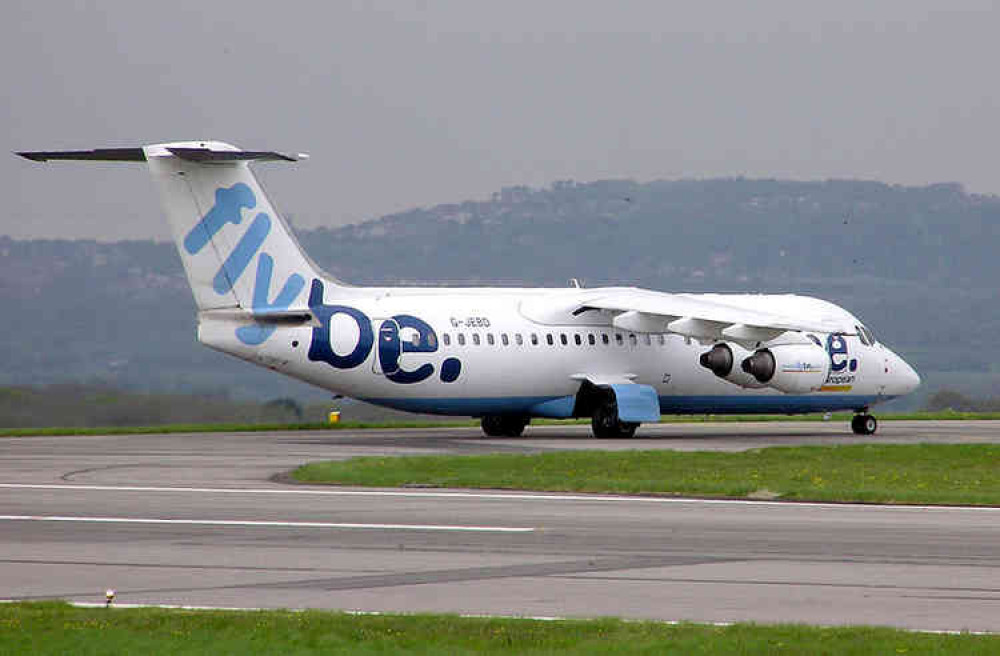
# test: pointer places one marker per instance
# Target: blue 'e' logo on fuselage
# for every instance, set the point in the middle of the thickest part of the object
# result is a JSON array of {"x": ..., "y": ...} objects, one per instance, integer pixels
[
  {"x": 390, "y": 346},
  {"x": 836, "y": 346}
]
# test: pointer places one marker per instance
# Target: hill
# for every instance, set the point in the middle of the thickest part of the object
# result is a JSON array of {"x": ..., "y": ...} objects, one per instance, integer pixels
[{"x": 916, "y": 263}]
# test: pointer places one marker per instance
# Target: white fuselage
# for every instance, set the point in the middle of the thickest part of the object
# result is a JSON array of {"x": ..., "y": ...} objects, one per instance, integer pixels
[{"x": 519, "y": 353}]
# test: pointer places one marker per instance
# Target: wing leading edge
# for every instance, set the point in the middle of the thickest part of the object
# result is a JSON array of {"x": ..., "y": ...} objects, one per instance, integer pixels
[{"x": 711, "y": 317}]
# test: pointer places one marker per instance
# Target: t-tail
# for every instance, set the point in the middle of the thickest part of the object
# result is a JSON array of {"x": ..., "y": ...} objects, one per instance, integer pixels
[{"x": 238, "y": 252}]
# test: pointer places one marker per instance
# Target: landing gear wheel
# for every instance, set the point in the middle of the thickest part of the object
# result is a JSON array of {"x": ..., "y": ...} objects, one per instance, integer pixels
[
  {"x": 504, "y": 425},
  {"x": 515, "y": 425},
  {"x": 606, "y": 425},
  {"x": 864, "y": 424}
]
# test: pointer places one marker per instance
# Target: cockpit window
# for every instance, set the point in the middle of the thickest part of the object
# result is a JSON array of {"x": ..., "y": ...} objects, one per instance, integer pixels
[
  {"x": 865, "y": 335},
  {"x": 861, "y": 335},
  {"x": 815, "y": 340}
]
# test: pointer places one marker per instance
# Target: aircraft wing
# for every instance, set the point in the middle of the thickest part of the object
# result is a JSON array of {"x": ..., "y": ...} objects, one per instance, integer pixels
[{"x": 700, "y": 316}]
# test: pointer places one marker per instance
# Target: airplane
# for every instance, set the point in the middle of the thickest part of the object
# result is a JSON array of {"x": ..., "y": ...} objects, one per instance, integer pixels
[{"x": 621, "y": 356}]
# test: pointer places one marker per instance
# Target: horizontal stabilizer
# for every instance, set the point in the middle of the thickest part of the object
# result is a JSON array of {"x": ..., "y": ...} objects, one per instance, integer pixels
[
  {"x": 201, "y": 155},
  {"x": 98, "y": 154},
  {"x": 239, "y": 255},
  {"x": 206, "y": 156}
]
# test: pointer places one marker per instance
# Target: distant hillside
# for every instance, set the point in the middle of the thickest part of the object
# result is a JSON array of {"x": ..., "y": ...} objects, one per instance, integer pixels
[{"x": 917, "y": 263}]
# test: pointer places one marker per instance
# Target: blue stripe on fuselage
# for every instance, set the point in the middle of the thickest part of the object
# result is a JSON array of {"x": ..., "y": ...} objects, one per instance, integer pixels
[{"x": 669, "y": 405}]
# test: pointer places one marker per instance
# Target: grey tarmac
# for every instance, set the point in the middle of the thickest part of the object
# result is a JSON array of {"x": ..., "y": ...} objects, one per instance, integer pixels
[{"x": 199, "y": 519}]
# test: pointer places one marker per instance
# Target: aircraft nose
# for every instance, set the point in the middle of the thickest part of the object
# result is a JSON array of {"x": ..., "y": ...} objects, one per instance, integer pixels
[{"x": 906, "y": 378}]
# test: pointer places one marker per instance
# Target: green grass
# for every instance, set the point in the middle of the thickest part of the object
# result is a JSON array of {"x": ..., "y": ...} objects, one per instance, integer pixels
[
  {"x": 946, "y": 415},
  {"x": 952, "y": 474},
  {"x": 57, "y": 628}
]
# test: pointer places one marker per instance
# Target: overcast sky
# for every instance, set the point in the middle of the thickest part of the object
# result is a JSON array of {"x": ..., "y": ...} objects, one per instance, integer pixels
[{"x": 412, "y": 104}]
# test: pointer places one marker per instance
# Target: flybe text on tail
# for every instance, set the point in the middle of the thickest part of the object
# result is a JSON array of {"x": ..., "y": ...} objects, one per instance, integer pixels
[{"x": 230, "y": 202}]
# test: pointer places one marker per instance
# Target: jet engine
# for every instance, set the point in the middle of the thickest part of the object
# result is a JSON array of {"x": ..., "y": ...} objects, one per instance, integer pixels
[
  {"x": 721, "y": 360},
  {"x": 791, "y": 368}
]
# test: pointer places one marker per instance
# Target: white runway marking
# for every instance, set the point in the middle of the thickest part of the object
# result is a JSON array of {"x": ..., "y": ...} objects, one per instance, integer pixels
[
  {"x": 255, "y": 523},
  {"x": 508, "y": 496}
]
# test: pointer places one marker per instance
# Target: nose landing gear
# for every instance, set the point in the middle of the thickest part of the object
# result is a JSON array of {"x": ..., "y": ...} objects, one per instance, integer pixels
[{"x": 864, "y": 424}]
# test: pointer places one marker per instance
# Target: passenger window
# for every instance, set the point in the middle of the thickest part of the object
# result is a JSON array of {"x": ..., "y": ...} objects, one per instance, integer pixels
[
  {"x": 548, "y": 338},
  {"x": 461, "y": 339},
  {"x": 534, "y": 339},
  {"x": 489, "y": 339},
  {"x": 663, "y": 340},
  {"x": 604, "y": 339},
  {"x": 431, "y": 340},
  {"x": 632, "y": 339},
  {"x": 619, "y": 339},
  {"x": 517, "y": 338},
  {"x": 503, "y": 338},
  {"x": 475, "y": 339},
  {"x": 591, "y": 340},
  {"x": 446, "y": 338},
  {"x": 562, "y": 339}
]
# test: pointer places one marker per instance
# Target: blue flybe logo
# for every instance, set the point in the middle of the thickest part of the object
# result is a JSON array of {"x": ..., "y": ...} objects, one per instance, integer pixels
[
  {"x": 391, "y": 345},
  {"x": 230, "y": 202},
  {"x": 842, "y": 366},
  {"x": 229, "y": 205}
]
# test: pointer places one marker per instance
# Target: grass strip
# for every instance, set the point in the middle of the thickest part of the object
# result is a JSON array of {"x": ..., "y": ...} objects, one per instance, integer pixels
[
  {"x": 58, "y": 628},
  {"x": 364, "y": 425},
  {"x": 945, "y": 474}
]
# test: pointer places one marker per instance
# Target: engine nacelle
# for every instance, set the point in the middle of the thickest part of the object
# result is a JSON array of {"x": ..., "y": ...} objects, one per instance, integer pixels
[
  {"x": 721, "y": 361},
  {"x": 791, "y": 368}
]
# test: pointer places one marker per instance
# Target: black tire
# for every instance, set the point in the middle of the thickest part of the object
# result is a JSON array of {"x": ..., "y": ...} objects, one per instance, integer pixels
[
  {"x": 504, "y": 425},
  {"x": 493, "y": 425},
  {"x": 606, "y": 426},
  {"x": 864, "y": 424},
  {"x": 514, "y": 426}
]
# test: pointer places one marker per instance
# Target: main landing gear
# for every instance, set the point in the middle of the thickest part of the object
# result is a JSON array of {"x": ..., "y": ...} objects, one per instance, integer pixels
[
  {"x": 606, "y": 424},
  {"x": 504, "y": 425},
  {"x": 864, "y": 424}
]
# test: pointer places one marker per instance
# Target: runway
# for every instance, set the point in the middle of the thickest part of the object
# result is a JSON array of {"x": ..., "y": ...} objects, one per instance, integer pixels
[{"x": 198, "y": 520}]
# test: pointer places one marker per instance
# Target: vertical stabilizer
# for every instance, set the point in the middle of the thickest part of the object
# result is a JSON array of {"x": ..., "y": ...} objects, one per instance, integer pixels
[
  {"x": 237, "y": 250},
  {"x": 239, "y": 254}
]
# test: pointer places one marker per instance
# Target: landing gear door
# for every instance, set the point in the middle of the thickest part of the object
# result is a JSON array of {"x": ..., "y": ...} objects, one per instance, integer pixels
[{"x": 386, "y": 360}]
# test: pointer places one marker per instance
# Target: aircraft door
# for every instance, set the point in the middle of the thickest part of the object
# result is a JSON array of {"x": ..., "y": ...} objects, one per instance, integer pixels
[{"x": 389, "y": 349}]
